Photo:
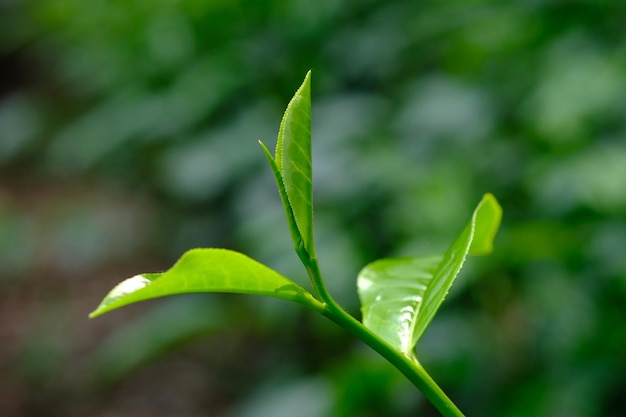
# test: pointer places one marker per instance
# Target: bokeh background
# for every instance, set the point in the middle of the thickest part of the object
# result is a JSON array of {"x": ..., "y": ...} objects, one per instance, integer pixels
[{"x": 128, "y": 134}]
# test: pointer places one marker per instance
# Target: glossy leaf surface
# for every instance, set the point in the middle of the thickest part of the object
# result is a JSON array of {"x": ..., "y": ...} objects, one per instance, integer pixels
[
  {"x": 293, "y": 160},
  {"x": 207, "y": 270},
  {"x": 391, "y": 291},
  {"x": 399, "y": 297}
]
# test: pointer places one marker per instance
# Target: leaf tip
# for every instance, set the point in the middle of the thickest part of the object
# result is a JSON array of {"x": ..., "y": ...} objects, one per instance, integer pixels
[
  {"x": 306, "y": 84},
  {"x": 487, "y": 218},
  {"x": 120, "y": 291},
  {"x": 491, "y": 199}
]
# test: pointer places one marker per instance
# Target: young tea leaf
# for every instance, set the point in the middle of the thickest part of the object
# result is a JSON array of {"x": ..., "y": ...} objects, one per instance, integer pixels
[
  {"x": 399, "y": 297},
  {"x": 291, "y": 220},
  {"x": 391, "y": 291},
  {"x": 486, "y": 223},
  {"x": 293, "y": 160},
  {"x": 208, "y": 270},
  {"x": 485, "y": 220}
]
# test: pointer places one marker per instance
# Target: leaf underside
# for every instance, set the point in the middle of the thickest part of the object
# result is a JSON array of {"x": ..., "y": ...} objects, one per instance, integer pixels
[
  {"x": 207, "y": 270},
  {"x": 400, "y": 296},
  {"x": 293, "y": 160}
]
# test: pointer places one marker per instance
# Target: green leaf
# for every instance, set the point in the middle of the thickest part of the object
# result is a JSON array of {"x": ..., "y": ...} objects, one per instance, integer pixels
[
  {"x": 391, "y": 291},
  {"x": 293, "y": 160},
  {"x": 486, "y": 223},
  {"x": 400, "y": 296},
  {"x": 477, "y": 237},
  {"x": 208, "y": 270},
  {"x": 291, "y": 221}
]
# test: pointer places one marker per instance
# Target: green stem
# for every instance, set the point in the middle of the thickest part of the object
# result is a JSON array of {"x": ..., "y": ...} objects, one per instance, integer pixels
[
  {"x": 313, "y": 270},
  {"x": 411, "y": 368}
]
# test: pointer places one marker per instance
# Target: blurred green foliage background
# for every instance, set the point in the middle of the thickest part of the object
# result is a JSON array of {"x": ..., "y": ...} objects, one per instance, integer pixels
[{"x": 128, "y": 134}]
